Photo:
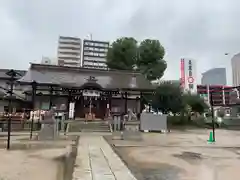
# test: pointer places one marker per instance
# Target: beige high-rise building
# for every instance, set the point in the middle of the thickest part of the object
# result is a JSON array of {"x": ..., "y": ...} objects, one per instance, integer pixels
[
  {"x": 69, "y": 51},
  {"x": 236, "y": 69}
]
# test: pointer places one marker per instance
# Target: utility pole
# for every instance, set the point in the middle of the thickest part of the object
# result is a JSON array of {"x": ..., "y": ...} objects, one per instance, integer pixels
[
  {"x": 212, "y": 112},
  {"x": 12, "y": 75}
]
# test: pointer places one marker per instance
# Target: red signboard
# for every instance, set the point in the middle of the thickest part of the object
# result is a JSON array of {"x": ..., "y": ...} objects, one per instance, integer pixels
[{"x": 182, "y": 73}]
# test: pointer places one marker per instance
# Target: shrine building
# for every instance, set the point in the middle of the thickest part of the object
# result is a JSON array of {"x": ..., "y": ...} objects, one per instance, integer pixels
[{"x": 82, "y": 90}]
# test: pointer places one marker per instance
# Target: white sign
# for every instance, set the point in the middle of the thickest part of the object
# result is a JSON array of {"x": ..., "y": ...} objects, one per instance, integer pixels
[
  {"x": 71, "y": 110},
  {"x": 91, "y": 93},
  {"x": 188, "y": 74}
]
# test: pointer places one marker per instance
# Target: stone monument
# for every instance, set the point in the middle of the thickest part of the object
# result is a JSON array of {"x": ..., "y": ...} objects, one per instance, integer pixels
[
  {"x": 131, "y": 127},
  {"x": 49, "y": 129}
]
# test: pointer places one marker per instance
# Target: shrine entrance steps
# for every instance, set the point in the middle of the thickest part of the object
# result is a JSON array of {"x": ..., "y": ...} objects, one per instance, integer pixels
[{"x": 89, "y": 126}]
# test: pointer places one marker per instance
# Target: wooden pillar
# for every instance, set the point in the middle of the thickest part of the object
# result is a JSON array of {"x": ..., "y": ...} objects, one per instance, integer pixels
[
  {"x": 82, "y": 108},
  {"x": 69, "y": 100},
  {"x": 110, "y": 101},
  {"x": 138, "y": 109},
  {"x": 141, "y": 102},
  {"x": 125, "y": 102},
  {"x": 51, "y": 97},
  {"x": 34, "y": 89},
  {"x": 40, "y": 95}
]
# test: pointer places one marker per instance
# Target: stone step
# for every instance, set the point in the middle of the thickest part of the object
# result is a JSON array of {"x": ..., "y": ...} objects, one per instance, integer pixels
[
  {"x": 95, "y": 130},
  {"x": 99, "y": 126}
]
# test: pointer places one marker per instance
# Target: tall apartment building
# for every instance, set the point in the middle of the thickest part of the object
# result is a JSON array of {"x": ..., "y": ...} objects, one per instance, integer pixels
[
  {"x": 94, "y": 54},
  {"x": 236, "y": 70},
  {"x": 215, "y": 76},
  {"x": 69, "y": 51}
]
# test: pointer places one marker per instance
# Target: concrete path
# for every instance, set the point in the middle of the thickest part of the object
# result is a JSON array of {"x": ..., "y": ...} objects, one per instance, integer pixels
[{"x": 97, "y": 161}]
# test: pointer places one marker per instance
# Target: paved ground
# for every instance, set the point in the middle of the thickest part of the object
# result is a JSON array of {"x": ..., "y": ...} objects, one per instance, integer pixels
[
  {"x": 96, "y": 160},
  {"x": 182, "y": 155},
  {"x": 179, "y": 155}
]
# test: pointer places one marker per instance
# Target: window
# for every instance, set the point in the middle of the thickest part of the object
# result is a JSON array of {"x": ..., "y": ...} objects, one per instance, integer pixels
[{"x": 96, "y": 54}]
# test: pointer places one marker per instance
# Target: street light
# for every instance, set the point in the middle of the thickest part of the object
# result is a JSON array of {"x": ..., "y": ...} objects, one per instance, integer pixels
[{"x": 12, "y": 75}]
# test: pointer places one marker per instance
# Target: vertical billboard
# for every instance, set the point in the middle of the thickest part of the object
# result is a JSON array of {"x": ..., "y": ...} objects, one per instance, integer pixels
[
  {"x": 182, "y": 70},
  {"x": 188, "y": 75}
]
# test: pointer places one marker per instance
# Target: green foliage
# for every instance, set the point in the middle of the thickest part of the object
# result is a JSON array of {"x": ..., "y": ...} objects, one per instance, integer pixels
[
  {"x": 122, "y": 54},
  {"x": 154, "y": 71},
  {"x": 221, "y": 112},
  {"x": 195, "y": 102},
  {"x": 150, "y": 51},
  {"x": 177, "y": 120},
  {"x": 125, "y": 54},
  {"x": 168, "y": 98}
]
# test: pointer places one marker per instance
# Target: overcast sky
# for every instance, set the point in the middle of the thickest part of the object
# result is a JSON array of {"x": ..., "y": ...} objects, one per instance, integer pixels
[{"x": 200, "y": 29}]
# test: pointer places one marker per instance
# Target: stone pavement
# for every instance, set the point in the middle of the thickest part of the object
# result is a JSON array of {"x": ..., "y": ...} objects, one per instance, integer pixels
[{"x": 97, "y": 161}]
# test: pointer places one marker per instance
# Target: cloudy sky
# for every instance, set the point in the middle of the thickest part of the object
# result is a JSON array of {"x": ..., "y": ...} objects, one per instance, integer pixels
[{"x": 200, "y": 29}]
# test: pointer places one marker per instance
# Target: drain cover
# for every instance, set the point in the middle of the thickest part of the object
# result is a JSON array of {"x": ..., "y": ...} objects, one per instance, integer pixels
[{"x": 189, "y": 155}]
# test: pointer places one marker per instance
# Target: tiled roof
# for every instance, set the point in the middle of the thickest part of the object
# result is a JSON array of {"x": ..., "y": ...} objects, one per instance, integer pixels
[
  {"x": 4, "y": 71},
  {"x": 77, "y": 77}
]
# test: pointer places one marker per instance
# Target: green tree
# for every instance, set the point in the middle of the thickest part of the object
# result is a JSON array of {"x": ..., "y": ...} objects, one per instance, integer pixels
[
  {"x": 125, "y": 54},
  {"x": 196, "y": 103},
  {"x": 122, "y": 54},
  {"x": 150, "y": 51},
  {"x": 168, "y": 98},
  {"x": 153, "y": 71},
  {"x": 150, "y": 60}
]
